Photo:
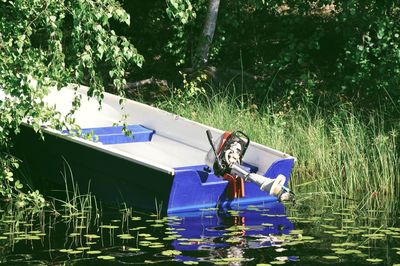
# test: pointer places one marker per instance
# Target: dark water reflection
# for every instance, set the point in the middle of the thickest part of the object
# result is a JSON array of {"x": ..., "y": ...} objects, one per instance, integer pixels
[{"x": 271, "y": 234}]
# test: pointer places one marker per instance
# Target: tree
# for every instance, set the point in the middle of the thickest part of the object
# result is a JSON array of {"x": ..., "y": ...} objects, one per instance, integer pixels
[
  {"x": 183, "y": 15},
  {"x": 206, "y": 38},
  {"x": 331, "y": 49},
  {"x": 49, "y": 43}
]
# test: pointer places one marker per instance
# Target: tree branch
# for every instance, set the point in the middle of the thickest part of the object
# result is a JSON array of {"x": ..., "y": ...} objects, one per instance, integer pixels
[
  {"x": 216, "y": 73},
  {"x": 146, "y": 82}
]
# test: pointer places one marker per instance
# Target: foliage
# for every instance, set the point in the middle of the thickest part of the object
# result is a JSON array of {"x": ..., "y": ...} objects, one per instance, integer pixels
[
  {"x": 371, "y": 56},
  {"x": 330, "y": 50},
  {"x": 192, "y": 90},
  {"x": 182, "y": 15},
  {"x": 44, "y": 45},
  {"x": 290, "y": 52},
  {"x": 321, "y": 48}
]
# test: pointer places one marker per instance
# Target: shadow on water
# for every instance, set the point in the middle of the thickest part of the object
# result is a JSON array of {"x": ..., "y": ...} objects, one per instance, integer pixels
[{"x": 269, "y": 234}]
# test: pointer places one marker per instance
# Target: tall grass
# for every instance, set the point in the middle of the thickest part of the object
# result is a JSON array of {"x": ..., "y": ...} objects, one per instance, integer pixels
[{"x": 340, "y": 155}]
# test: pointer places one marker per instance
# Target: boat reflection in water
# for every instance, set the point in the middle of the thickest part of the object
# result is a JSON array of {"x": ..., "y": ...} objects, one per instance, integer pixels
[{"x": 230, "y": 233}]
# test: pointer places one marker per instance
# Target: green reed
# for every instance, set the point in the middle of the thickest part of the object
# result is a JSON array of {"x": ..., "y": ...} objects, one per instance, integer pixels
[
  {"x": 340, "y": 155},
  {"x": 79, "y": 210}
]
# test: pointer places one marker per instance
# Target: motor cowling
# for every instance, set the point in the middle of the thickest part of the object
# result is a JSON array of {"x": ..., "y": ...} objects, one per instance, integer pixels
[
  {"x": 227, "y": 150},
  {"x": 225, "y": 158}
]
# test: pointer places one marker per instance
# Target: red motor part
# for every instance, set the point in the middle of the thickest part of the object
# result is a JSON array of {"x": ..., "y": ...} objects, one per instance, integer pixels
[
  {"x": 224, "y": 137},
  {"x": 235, "y": 187}
]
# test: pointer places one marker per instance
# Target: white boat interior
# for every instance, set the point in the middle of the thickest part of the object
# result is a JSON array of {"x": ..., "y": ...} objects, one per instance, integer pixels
[{"x": 176, "y": 142}]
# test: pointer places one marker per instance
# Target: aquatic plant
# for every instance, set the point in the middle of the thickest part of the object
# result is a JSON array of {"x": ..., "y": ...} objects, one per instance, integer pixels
[
  {"x": 256, "y": 234},
  {"x": 79, "y": 209}
]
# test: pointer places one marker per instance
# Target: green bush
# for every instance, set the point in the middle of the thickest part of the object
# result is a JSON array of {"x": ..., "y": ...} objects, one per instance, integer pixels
[{"x": 44, "y": 45}]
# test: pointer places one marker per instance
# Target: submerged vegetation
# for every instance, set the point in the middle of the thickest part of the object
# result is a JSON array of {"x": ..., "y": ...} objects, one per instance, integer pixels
[{"x": 270, "y": 234}]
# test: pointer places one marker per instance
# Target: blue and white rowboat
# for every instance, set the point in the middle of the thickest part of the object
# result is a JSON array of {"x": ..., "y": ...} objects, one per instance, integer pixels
[{"x": 164, "y": 161}]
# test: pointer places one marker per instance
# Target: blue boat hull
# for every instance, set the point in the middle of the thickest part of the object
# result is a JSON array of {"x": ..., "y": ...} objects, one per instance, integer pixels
[
  {"x": 194, "y": 188},
  {"x": 113, "y": 179}
]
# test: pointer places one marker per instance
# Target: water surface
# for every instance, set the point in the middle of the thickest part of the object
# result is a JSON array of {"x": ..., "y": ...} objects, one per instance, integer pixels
[{"x": 273, "y": 234}]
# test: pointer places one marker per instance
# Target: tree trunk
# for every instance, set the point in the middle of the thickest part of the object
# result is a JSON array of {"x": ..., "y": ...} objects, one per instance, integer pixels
[{"x": 207, "y": 35}]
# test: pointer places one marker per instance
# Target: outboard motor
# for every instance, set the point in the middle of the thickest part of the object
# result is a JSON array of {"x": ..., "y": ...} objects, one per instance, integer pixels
[{"x": 225, "y": 158}]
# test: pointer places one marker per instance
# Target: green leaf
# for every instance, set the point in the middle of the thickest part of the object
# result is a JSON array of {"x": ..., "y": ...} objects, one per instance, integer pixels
[{"x": 18, "y": 184}]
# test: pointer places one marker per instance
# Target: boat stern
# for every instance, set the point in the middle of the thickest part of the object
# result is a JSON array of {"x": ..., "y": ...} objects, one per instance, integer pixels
[{"x": 195, "y": 188}]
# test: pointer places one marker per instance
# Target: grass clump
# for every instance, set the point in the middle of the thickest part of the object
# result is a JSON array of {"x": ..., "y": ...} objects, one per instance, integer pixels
[{"x": 341, "y": 153}]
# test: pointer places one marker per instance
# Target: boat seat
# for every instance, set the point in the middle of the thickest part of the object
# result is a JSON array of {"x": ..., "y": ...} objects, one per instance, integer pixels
[{"x": 114, "y": 134}]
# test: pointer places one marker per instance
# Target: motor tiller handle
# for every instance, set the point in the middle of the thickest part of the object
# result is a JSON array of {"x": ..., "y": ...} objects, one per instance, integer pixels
[{"x": 210, "y": 139}]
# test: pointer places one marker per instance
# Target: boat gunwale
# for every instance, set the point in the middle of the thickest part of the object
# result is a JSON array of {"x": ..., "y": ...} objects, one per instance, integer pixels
[
  {"x": 127, "y": 156},
  {"x": 109, "y": 150}
]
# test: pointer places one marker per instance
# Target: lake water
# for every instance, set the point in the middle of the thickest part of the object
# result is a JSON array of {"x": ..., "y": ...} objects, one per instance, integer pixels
[{"x": 273, "y": 234}]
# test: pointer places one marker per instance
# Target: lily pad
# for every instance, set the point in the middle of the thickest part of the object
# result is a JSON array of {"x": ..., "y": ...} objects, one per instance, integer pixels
[
  {"x": 91, "y": 236},
  {"x": 151, "y": 238},
  {"x": 137, "y": 228},
  {"x": 157, "y": 225},
  {"x": 331, "y": 257},
  {"x": 65, "y": 250},
  {"x": 157, "y": 246},
  {"x": 125, "y": 236},
  {"x": 278, "y": 262},
  {"x": 93, "y": 252},
  {"x": 30, "y": 237},
  {"x": 82, "y": 248},
  {"x": 109, "y": 226},
  {"x": 171, "y": 252},
  {"x": 374, "y": 260},
  {"x": 106, "y": 257},
  {"x": 190, "y": 262},
  {"x": 74, "y": 252}
]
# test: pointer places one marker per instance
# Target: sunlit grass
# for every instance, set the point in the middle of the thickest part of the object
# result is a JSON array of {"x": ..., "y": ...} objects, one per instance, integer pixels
[{"x": 341, "y": 154}]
